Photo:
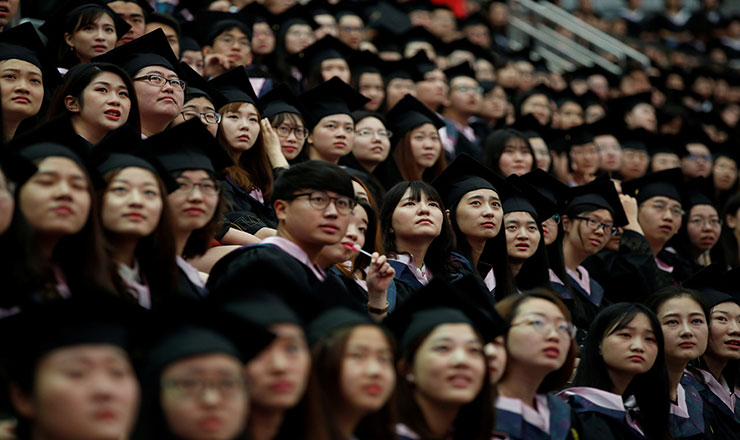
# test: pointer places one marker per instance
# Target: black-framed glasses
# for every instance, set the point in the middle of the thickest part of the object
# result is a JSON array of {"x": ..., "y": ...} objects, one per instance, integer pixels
[
  {"x": 193, "y": 388},
  {"x": 207, "y": 188},
  {"x": 160, "y": 81},
  {"x": 596, "y": 225},
  {"x": 320, "y": 200},
  {"x": 284, "y": 131},
  {"x": 556, "y": 219},
  {"x": 209, "y": 117}
]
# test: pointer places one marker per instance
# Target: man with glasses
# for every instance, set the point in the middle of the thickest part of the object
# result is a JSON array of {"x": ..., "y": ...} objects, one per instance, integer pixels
[
  {"x": 227, "y": 41},
  {"x": 313, "y": 202},
  {"x": 463, "y": 102}
]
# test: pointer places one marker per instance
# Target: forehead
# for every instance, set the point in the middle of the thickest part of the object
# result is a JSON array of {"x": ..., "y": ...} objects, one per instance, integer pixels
[
  {"x": 86, "y": 351},
  {"x": 703, "y": 210},
  {"x": 453, "y": 331},
  {"x": 24, "y": 66},
  {"x": 541, "y": 306},
  {"x": 369, "y": 77},
  {"x": 424, "y": 128},
  {"x": 167, "y": 29},
  {"x": 662, "y": 199},
  {"x": 370, "y": 121},
  {"x": 203, "y": 363},
  {"x": 366, "y": 335},
  {"x": 200, "y": 101},
  {"x": 109, "y": 77},
  {"x": 124, "y": 7},
  {"x": 463, "y": 81},
  {"x": 338, "y": 117},
  {"x": 195, "y": 174},
  {"x": 136, "y": 174},
  {"x": 727, "y": 307},
  {"x": 156, "y": 70},
  {"x": 482, "y": 192},
  {"x": 681, "y": 304},
  {"x": 59, "y": 165},
  {"x": 233, "y": 32},
  {"x": 518, "y": 216}
]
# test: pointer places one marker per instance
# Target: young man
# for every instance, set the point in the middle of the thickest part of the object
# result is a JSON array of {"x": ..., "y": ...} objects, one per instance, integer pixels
[
  {"x": 464, "y": 100},
  {"x": 134, "y": 13},
  {"x": 227, "y": 41}
]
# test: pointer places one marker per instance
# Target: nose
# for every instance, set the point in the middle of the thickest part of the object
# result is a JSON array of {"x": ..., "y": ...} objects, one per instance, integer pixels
[
  {"x": 685, "y": 329},
  {"x": 352, "y": 232},
  {"x": 279, "y": 361},
  {"x": 458, "y": 356},
  {"x": 195, "y": 194},
  {"x": 372, "y": 367},
  {"x": 135, "y": 197},
  {"x": 638, "y": 345},
  {"x": 62, "y": 189},
  {"x": 211, "y": 396},
  {"x": 100, "y": 36},
  {"x": 331, "y": 209}
]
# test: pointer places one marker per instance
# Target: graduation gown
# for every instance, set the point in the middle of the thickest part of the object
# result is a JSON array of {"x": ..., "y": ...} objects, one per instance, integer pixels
[
  {"x": 688, "y": 419},
  {"x": 584, "y": 308},
  {"x": 245, "y": 212},
  {"x": 601, "y": 415},
  {"x": 551, "y": 419},
  {"x": 718, "y": 415},
  {"x": 464, "y": 267},
  {"x": 188, "y": 280}
]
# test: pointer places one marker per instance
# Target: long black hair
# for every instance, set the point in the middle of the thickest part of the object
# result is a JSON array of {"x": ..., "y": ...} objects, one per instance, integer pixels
[
  {"x": 651, "y": 389},
  {"x": 495, "y": 144},
  {"x": 534, "y": 272}
]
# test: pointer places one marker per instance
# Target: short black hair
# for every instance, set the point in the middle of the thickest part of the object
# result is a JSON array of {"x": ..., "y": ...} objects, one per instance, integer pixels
[
  {"x": 159, "y": 17},
  {"x": 313, "y": 174}
]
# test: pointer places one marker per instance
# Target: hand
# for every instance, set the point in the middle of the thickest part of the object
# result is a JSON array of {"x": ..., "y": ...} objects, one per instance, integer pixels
[
  {"x": 629, "y": 204},
  {"x": 379, "y": 277},
  {"x": 215, "y": 64},
  {"x": 269, "y": 137}
]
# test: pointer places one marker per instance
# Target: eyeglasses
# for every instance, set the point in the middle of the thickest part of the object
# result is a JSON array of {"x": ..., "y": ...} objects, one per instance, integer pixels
[
  {"x": 299, "y": 34},
  {"x": 229, "y": 41},
  {"x": 543, "y": 327},
  {"x": 186, "y": 187},
  {"x": 366, "y": 132},
  {"x": 469, "y": 89},
  {"x": 209, "y": 117},
  {"x": 675, "y": 210},
  {"x": 320, "y": 200},
  {"x": 159, "y": 81},
  {"x": 193, "y": 388},
  {"x": 703, "y": 157},
  {"x": 596, "y": 225},
  {"x": 284, "y": 131},
  {"x": 714, "y": 222},
  {"x": 555, "y": 218}
]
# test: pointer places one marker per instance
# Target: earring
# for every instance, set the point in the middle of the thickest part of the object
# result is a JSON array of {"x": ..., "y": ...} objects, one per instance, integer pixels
[{"x": 410, "y": 377}]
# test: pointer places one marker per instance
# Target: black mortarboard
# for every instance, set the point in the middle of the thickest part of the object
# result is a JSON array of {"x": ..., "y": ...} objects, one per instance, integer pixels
[
  {"x": 403, "y": 68},
  {"x": 694, "y": 134},
  {"x": 462, "y": 69},
  {"x": 188, "y": 146},
  {"x": 330, "y": 98},
  {"x": 416, "y": 5},
  {"x": 321, "y": 7},
  {"x": 366, "y": 62},
  {"x": 280, "y": 99},
  {"x": 602, "y": 193},
  {"x": 211, "y": 24},
  {"x": 15, "y": 167},
  {"x": 524, "y": 197},
  {"x": 711, "y": 281},
  {"x": 22, "y": 42},
  {"x": 540, "y": 89},
  {"x": 54, "y": 26},
  {"x": 257, "y": 13},
  {"x": 386, "y": 40},
  {"x": 44, "y": 149},
  {"x": 234, "y": 85},
  {"x": 297, "y": 14},
  {"x": 408, "y": 114},
  {"x": 423, "y": 63},
  {"x": 324, "y": 49},
  {"x": 466, "y": 174},
  {"x": 547, "y": 185},
  {"x": 637, "y": 139},
  {"x": 198, "y": 87},
  {"x": 151, "y": 49},
  {"x": 667, "y": 183},
  {"x": 530, "y": 124},
  {"x": 625, "y": 104},
  {"x": 334, "y": 319},
  {"x": 473, "y": 20},
  {"x": 698, "y": 192},
  {"x": 440, "y": 303},
  {"x": 189, "y": 43},
  {"x": 418, "y": 33},
  {"x": 581, "y": 135}
]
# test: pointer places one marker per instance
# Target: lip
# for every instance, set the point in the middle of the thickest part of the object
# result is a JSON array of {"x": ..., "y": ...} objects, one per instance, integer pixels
[
  {"x": 289, "y": 149},
  {"x": 235, "y": 57},
  {"x": 551, "y": 352},
  {"x": 424, "y": 221},
  {"x": 340, "y": 144},
  {"x": 21, "y": 99},
  {"x": 243, "y": 138},
  {"x": 112, "y": 114},
  {"x": 637, "y": 358},
  {"x": 211, "y": 423},
  {"x": 522, "y": 246},
  {"x": 125, "y": 40},
  {"x": 428, "y": 156},
  {"x": 377, "y": 149},
  {"x": 134, "y": 216},
  {"x": 687, "y": 344},
  {"x": 373, "y": 389},
  {"x": 100, "y": 48},
  {"x": 488, "y": 225},
  {"x": 666, "y": 228},
  {"x": 282, "y": 387},
  {"x": 734, "y": 344},
  {"x": 595, "y": 242},
  {"x": 105, "y": 414},
  {"x": 332, "y": 229},
  {"x": 194, "y": 211},
  {"x": 168, "y": 98},
  {"x": 460, "y": 380},
  {"x": 63, "y": 210}
]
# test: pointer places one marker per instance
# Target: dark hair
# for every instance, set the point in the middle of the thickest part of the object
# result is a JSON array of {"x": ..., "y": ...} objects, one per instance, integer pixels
[
  {"x": 534, "y": 271},
  {"x": 438, "y": 257},
  {"x": 283, "y": 66},
  {"x": 681, "y": 241},
  {"x": 727, "y": 241},
  {"x": 313, "y": 174},
  {"x": 200, "y": 239},
  {"x": 155, "y": 252},
  {"x": 315, "y": 77},
  {"x": 324, "y": 391},
  {"x": 359, "y": 115},
  {"x": 226, "y": 25},
  {"x": 292, "y": 117},
  {"x": 405, "y": 159},
  {"x": 166, "y": 19},
  {"x": 651, "y": 389},
  {"x": 657, "y": 299},
  {"x": 82, "y": 75},
  {"x": 66, "y": 55},
  {"x": 496, "y": 143}
]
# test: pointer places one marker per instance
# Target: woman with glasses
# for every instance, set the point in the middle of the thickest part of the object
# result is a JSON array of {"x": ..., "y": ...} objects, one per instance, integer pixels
[
  {"x": 286, "y": 115},
  {"x": 703, "y": 225},
  {"x": 201, "y": 101},
  {"x": 621, "y": 384},
  {"x": 540, "y": 355}
]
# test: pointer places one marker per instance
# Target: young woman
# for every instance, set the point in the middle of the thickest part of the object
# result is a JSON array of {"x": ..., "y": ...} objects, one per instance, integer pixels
[
  {"x": 683, "y": 319},
  {"x": 368, "y": 79},
  {"x": 325, "y": 59},
  {"x": 353, "y": 377},
  {"x": 416, "y": 235},
  {"x": 621, "y": 384},
  {"x": 254, "y": 149},
  {"x": 285, "y": 113},
  {"x": 295, "y": 34},
  {"x": 508, "y": 152},
  {"x": 98, "y": 98},
  {"x": 202, "y": 101},
  {"x": 702, "y": 227},
  {"x": 416, "y": 144},
  {"x": 540, "y": 358}
]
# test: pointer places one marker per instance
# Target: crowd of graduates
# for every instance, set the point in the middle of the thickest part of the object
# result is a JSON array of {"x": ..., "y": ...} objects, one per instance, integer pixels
[{"x": 360, "y": 220}]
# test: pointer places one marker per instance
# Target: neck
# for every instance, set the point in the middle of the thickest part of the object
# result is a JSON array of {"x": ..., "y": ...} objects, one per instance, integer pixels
[
  {"x": 46, "y": 246},
  {"x": 9, "y": 128},
  {"x": 620, "y": 381},
  {"x": 89, "y": 133},
  {"x": 656, "y": 246},
  {"x": 476, "y": 249},
  {"x": 264, "y": 424},
  {"x": 418, "y": 250},
  {"x": 581, "y": 178},
  {"x": 368, "y": 166},
  {"x": 153, "y": 125},
  {"x": 181, "y": 239},
  {"x": 457, "y": 117},
  {"x": 521, "y": 382},
  {"x": 313, "y": 154},
  {"x": 311, "y": 250},
  {"x": 516, "y": 267},
  {"x": 572, "y": 255},
  {"x": 124, "y": 250},
  {"x": 675, "y": 373},
  {"x": 347, "y": 419},
  {"x": 715, "y": 364},
  {"x": 439, "y": 418}
]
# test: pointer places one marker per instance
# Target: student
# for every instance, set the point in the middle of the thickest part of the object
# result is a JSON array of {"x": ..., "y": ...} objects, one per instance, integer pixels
[
  {"x": 635, "y": 157},
  {"x": 367, "y": 78},
  {"x": 332, "y": 130},
  {"x": 621, "y": 384},
  {"x": 227, "y": 41},
  {"x": 463, "y": 102},
  {"x": 153, "y": 66},
  {"x": 416, "y": 144},
  {"x": 202, "y": 101},
  {"x": 134, "y": 13},
  {"x": 699, "y": 234},
  {"x": 169, "y": 25},
  {"x": 400, "y": 80},
  {"x": 372, "y": 144},
  {"x": 295, "y": 33},
  {"x": 98, "y": 98},
  {"x": 286, "y": 115},
  {"x": 508, "y": 152},
  {"x": 540, "y": 357},
  {"x": 323, "y": 60}
]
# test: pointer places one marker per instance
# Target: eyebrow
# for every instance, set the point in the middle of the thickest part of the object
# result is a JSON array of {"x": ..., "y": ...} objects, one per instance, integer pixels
[
  {"x": 160, "y": 73},
  {"x": 478, "y": 196},
  {"x": 634, "y": 329},
  {"x": 207, "y": 107},
  {"x": 128, "y": 182},
  {"x": 676, "y": 314},
  {"x": 56, "y": 174},
  {"x": 526, "y": 222}
]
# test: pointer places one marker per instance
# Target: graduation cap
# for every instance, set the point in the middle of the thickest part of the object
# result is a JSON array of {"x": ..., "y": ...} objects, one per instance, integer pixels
[
  {"x": 330, "y": 98},
  {"x": 525, "y": 198},
  {"x": 54, "y": 26},
  {"x": 408, "y": 114},
  {"x": 22, "y": 42},
  {"x": 546, "y": 184},
  {"x": 540, "y": 89},
  {"x": 603, "y": 194},
  {"x": 15, "y": 167},
  {"x": 280, "y": 99},
  {"x": 466, "y": 174},
  {"x": 321, "y": 7},
  {"x": 188, "y": 146},
  {"x": 625, "y": 104},
  {"x": 143, "y": 4},
  {"x": 257, "y": 13},
  {"x": 666, "y": 183},
  {"x": 387, "y": 40},
  {"x": 636, "y": 139},
  {"x": 440, "y": 303},
  {"x": 698, "y": 192},
  {"x": 297, "y": 14},
  {"x": 234, "y": 86},
  {"x": 151, "y": 49},
  {"x": 423, "y": 63},
  {"x": 366, "y": 62},
  {"x": 462, "y": 69},
  {"x": 528, "y": 124},
  {"x": 326, "y": 48},
  {"x": 334, "y": 319},
  {"x": 473, "y": 20},
  {"x": 419, "y": 33},
  {"x": 211, "y": 24},
  {"x": 198, "y": 87},
  {"x": 711, "y": 281},
  {"x": 53, "y": 138},
  {"x": 403, "y": 68}
]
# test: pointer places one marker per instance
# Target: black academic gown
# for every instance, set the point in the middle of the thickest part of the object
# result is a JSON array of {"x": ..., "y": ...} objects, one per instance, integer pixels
[
  {"x": 246, "y": 213},
  {"x": 722, "y": 422}
]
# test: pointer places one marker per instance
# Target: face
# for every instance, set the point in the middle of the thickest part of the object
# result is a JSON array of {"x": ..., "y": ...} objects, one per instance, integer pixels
[
  {"x": 235, "y": 45},
  {"x": 134, "y": 16},
  {"x": 93, "y": 39},
  {"x": 630, "y": 350},
  {"x": 426, "y": 147},
  {"x": 367, "y": 376},
  {"x": 665, "y": 161},
  {"x": 263, "y": 39},
  {"x": 327, "y": 25},
  {"x": 642, "y": 116},
  {"x": 193, "y": 209},
  {"x": 593, "y": 113},
  {"x": 311, "y": 227},
  {"x": 570, "y": 115},
  {"x": 496, "y": 359},
  {"x": 541, "y": 153},
  {"x": 449, "y": 366},
  {"x": 479, "y": 214},
  {"x": 241, "y": 127},
  {"x": 333, "y": 137},
  {"x": 298, "y": 37},
  {"x": 703, "y": 227},
  {"x": 522, "y": 235},
  {"x": 370, "y": 145},
  {"x": 417, "y": 219},
  {"x": 372, "y": 87},
  {"x": 698, "y": 163},
  {"x": 538, "y": 337},
  {"x": 164, "y": 101},
  {"x": 56, "y": 200},
  {"x": 105, "y": 103},
  {"x": 350, "y": 29},
  {"x": 277, "y": 377},
  {"x": 204, "y": 397},
  {"x": 355, "y": 235},
  {"x": 84, "y": 392},
  {"x": 585, "y": 159},
  {"x": 539, "y": 107},
  {"x": 550, "y": 230},
  {"x": 660, "y": 218},
  {"x": 169, "y": 32},
  {"x": 724, "y": 173},
  {"x": 194, "y": 59},
  {"x": 724, "y": 331},
  {"x": 398, "y": 88},
  {"x": 335, "y": 67},
  {"x": 583, "y": 237},
  {"x": 685, "y": 329},
  {"x": 7, "y": 204},
  {"x": 22, "y": 88},
  {"x": 132, "y": 203},
  {"x": 610, "y": 153},
  {"x": 198, "y": 105},
  {"x": 634, "y": 163},
  {"x": 433, "y": 90},
  {"x": 515, "y": 158},
  {"x": 465, "y": 95},
  {"x": 292, "y": 144},
  {"x": 9, "y": 11}
]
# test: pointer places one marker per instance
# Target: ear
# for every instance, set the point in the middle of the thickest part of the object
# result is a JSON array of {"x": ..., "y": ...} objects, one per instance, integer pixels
[
  {"x": 280, "y": 207},
  {"x": 730, "y": 220},
  {"x": 448, "y": 215},
  {"x": 566, "y": 223},
  {"x": 72, "y": 104},
  {"x": 22, "y": 402},
  {"x": 309, "y": 139},
  {"x": 69, "y": 40},
  {"x": 207, "y": 50}
]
